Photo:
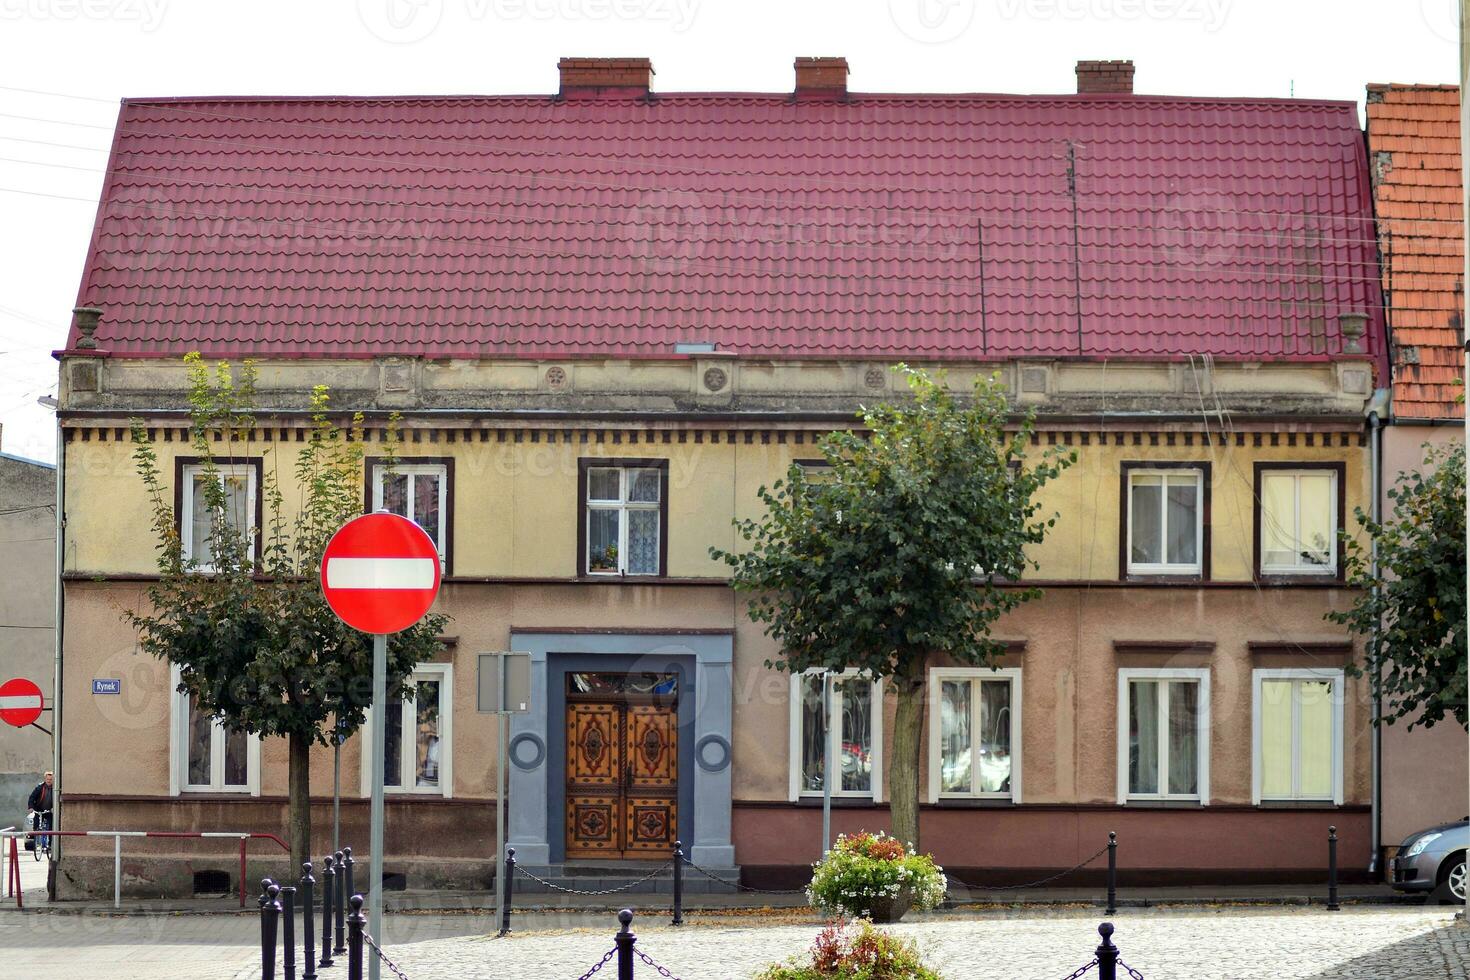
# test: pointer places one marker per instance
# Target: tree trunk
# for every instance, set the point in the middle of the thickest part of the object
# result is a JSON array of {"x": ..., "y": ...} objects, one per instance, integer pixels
[
  {"x": 903, "y": 768},
  {"x": 298, "y": 781}
]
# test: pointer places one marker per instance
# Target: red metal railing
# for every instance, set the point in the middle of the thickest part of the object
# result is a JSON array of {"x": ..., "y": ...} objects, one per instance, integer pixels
[{"x": 12, "y": 873}]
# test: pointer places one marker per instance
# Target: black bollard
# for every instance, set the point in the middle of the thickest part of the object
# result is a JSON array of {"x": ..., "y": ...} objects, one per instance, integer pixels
[
  {"x": 270, "y": 909},
  {"x": 288, "y": 932},
  {"x": 339, "y": 903},
  {"x": 624, "y": 942},
  {"x": 678, "y": 884},
  {"x": 308, "y": 937},
  {"x": 347, "y": 888},
  {"x": 1107, "y": 954},
  {"x": 327, "y": 888},
  {"x": 1112, "y": 873},
  {"x": 506, "y": 891},
  {"x": 355, "y": 923},
  {"x": 1332, "y": 905}
]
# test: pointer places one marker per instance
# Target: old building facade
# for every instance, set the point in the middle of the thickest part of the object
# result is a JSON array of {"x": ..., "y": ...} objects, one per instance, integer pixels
[
  {"x": 607, "y": 317},
  {"x": 1414, "y": 150}
]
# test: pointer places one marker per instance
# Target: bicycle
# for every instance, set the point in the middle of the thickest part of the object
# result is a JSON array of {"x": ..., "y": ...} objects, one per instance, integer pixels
[{"x": 39, "y": 842}]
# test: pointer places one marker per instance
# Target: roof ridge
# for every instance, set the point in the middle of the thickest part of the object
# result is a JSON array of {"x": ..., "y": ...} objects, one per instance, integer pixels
[{"x": 784, "y": 97}]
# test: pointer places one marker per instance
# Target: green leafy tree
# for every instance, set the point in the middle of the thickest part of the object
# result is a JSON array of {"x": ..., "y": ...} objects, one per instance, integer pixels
[
  {"x": 906, "y": 549},
  {"x": 256, "y": 644},
  {"x": 1413, "y": 614}
]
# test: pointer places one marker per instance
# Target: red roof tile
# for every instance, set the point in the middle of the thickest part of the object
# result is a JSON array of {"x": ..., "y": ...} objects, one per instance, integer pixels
[
  {"x": 1414, "y": 140},
  {"x": 884, "y": 225}
]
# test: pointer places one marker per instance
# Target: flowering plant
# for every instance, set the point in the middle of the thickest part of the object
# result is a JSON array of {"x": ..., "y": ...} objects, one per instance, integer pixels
[
  {"x": 866, "y": 869},
  {"x": 857, "y": 952}
]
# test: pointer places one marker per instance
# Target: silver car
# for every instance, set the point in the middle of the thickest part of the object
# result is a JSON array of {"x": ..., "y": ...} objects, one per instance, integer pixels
[{"x": 1431, "y": 858}]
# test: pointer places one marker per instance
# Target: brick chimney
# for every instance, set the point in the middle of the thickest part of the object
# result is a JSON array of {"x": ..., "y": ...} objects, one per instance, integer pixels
[
  {"x": 1105, "y": 78},
  {"x": 821, "y": 77},
  {"x": 631, "y": 77}
]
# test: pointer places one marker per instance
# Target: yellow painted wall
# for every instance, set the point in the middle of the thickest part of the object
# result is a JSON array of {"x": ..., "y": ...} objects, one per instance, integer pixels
[{"x": 515, "y": 504}]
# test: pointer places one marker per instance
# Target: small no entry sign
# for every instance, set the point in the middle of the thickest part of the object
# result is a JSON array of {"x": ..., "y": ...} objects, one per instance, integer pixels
[
  {"x": 20, "y": 702},
  {"x": 380, "y": 573}
]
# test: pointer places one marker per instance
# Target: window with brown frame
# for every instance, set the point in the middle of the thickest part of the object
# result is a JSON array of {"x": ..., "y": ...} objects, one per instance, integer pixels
[
  {"x": 623, "y": 517},
  {"x": 240, "y": 479},
  {"x": 1300, "y": 508},
  {"x": 1164, "y": 520},
  {"x": 420, "y": 488}
]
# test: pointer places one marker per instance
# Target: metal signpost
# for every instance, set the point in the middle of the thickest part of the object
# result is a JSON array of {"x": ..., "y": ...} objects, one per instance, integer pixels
[
  {"x": 380, "y": 574},
  {"x": 504, "y": 690},
  {"x": 826, "y": 762}
]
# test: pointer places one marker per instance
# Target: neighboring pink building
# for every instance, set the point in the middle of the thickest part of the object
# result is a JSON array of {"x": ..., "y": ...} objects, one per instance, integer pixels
[{"x": 1414, "y": 153}]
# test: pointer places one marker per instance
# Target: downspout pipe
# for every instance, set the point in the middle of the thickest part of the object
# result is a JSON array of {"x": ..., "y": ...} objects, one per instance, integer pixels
[
  {"x": 1377, "y": 409},
  {"x": 59, "y": 630}
]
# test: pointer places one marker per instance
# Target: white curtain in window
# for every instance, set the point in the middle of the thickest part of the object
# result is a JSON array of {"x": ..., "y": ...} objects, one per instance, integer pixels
[
  {"x": 1143, "y": 737},
  {"x": 1183, "y": 772}
]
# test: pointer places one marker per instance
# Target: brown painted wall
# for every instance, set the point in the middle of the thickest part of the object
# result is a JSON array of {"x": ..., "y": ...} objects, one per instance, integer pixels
[{"x": 116, "y": 755}]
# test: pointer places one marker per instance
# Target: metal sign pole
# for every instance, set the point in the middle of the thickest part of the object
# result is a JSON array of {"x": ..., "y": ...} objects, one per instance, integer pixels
[
  {"x": 336, "y": 787},
  {"x": 502, "y": 756},
  {"x": 826, "y": 762},
  {"x": 379, "y": 753}
]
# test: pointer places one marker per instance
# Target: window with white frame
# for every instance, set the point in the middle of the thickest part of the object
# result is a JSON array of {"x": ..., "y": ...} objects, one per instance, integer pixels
[
  {"x": 1163, "y": 734},
  {"x": 1298, "y": 734},
  {"x": 1298, "y": 521},
  {"x": 207, "y": 757},
  {"x": 419, "y": 735},
  {"x": 1165, "y": 521},
  {"x": 196, "y": 520},
  {"x": 417, "y": 491},
  {"x": 853, "y": 739},
  {"x": 975, "y": 733},
  {"x": 623, "y": 511}
]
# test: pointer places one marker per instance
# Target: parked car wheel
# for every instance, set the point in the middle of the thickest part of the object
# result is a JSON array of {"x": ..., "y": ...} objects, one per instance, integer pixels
[{"x": 1452, "y": 876}]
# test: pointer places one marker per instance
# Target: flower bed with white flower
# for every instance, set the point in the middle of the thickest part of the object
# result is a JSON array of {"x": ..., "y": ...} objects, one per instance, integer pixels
[{"x": 864, "y": 871}]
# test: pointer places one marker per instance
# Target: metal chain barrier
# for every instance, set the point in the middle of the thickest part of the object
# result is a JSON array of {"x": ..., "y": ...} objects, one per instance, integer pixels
[
  {"x": 744, "y": 888},
  {"x": 1131, "y": 972},
  {"x": 606, "y": 891},
  {"x": 393, "y": 967},
  {"x": 1080, "y": 970},
  {"x": 661, "y": 971},
  {"x": 606, "y": 958},
  {"x": 1032, "y": 884}
]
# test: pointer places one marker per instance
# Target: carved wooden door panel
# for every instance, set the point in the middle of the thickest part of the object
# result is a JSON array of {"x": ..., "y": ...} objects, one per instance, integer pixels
[
  {"x": 594, "y": 780},
  {"x": 622, "y": 780},
  {"x": 651, "y": 797}
]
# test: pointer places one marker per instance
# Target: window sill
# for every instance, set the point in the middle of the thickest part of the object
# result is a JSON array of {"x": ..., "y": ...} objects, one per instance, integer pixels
[
  {"x": 1171, "y": 578},
  {"x": 1299, "y": 578},
  {"x": 1298, "y": 805},
  {"x": 838, "y": 802},
  {"x": 974, "y": 803},
  {"x": 1142, "y": 802},
  {"x": 205, "y": 793}
]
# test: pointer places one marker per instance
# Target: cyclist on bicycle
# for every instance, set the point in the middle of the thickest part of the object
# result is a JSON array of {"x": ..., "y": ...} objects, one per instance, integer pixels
[{"x": 39, "y": 804}]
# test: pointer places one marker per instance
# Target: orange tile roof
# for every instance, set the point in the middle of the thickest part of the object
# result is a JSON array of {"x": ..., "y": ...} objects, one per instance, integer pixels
[{"x": 1414, "y": 152}]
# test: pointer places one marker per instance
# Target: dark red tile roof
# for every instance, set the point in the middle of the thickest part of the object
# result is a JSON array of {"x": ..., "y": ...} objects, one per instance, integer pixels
[
  {"x": 1414, "y": 139},
  {"x": 931, "y": 226}
]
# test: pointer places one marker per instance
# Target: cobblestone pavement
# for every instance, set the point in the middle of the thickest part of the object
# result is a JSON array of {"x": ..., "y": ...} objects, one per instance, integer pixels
[
  {"x": 1222, "y": 943},
  {"x": 1412, "y": 944}
]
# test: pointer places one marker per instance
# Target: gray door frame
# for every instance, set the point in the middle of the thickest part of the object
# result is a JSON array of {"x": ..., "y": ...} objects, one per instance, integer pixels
[{"x": 538, "y": 757}]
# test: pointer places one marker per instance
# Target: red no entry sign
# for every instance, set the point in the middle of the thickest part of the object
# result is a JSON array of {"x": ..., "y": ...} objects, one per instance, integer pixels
[
  {"x": 20, "y": 702},
  {"x": 380, "y": 573}
]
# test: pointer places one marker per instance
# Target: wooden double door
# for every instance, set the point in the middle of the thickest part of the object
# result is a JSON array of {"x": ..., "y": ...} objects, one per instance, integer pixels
[{"x": 622, "y": 796}]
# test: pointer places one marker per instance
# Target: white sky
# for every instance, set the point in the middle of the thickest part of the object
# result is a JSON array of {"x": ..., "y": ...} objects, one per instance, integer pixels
[{"x": 102, "y": 50}]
